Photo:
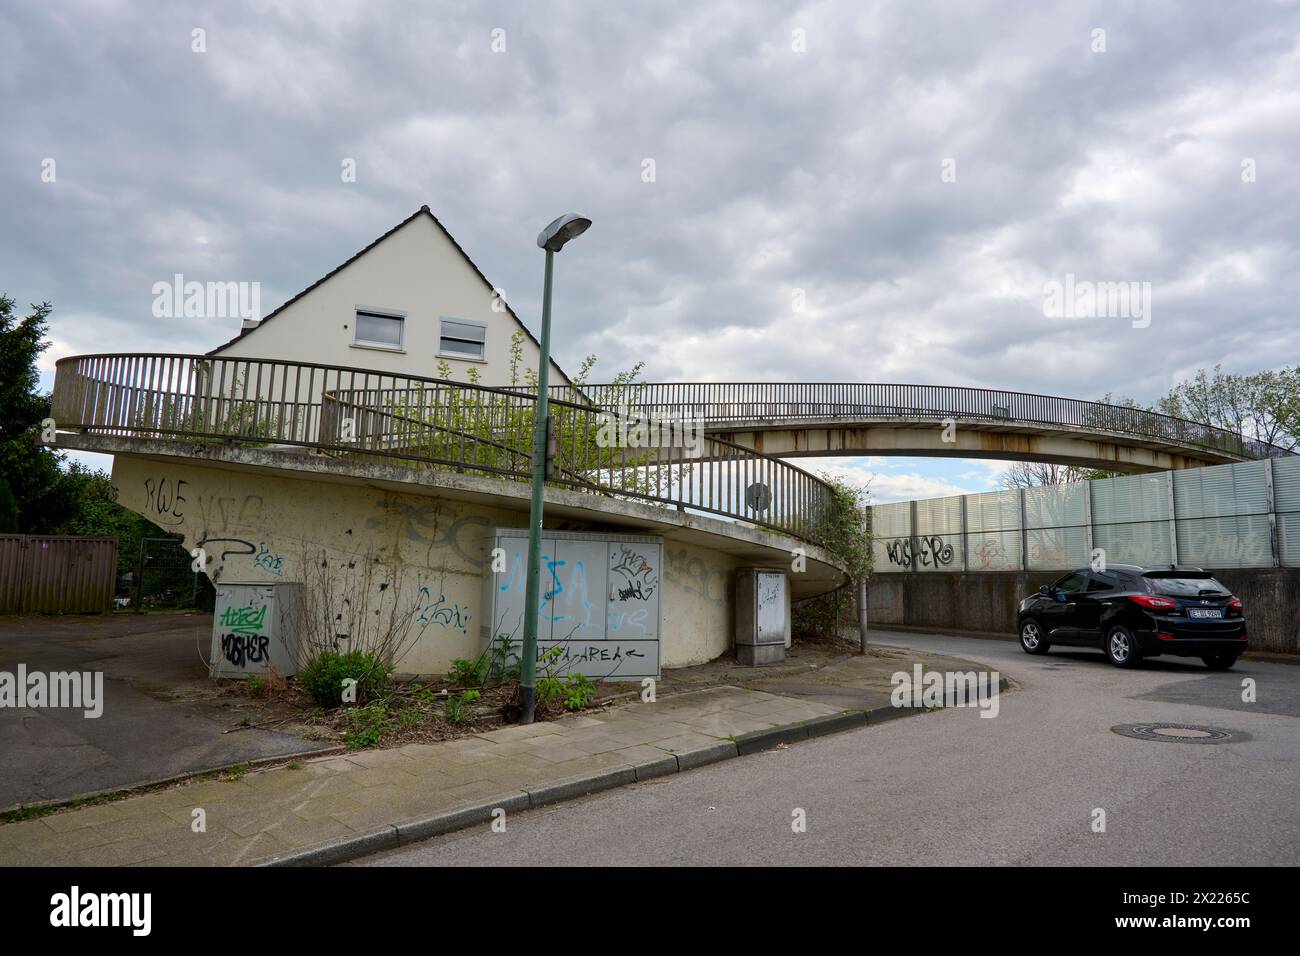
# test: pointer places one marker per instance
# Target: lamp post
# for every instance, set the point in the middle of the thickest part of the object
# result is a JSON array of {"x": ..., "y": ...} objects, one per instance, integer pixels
[{"x": 552, "y": 239}]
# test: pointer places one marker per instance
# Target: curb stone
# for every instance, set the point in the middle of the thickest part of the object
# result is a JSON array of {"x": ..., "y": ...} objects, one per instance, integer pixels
[
  {"x": 147, "y": 786},
  {"x": 579, "y": 786},
  {"x": 438, "y": 824},
  {"x": 401, "y": 834},
  {"x": 702, "y": 756}
]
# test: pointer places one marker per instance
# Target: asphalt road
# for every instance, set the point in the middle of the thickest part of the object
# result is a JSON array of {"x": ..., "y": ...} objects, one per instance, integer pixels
[
  {"x": 952, "y": 788},
  {"x": 151, "y": 726}
]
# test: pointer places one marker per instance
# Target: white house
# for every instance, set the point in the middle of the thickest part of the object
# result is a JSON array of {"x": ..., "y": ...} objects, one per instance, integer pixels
[{"x": 407, "y": 301}]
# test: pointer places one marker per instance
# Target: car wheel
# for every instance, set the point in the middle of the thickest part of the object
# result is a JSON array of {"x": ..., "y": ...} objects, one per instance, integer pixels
[
  {"x": 1032, "y": 638},
  {"x": 1121, "y": 647},
  {"x": 1220, "y": 662}
]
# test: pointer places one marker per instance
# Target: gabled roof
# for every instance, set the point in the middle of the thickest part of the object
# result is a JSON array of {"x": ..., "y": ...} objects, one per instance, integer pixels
[{"x": 422, "y": 211}]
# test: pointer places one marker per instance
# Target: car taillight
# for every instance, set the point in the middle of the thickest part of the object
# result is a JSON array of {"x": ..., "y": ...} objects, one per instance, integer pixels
[
  {"x": 1153, "y": 603},
  {"x": 1235, "y": 605}
]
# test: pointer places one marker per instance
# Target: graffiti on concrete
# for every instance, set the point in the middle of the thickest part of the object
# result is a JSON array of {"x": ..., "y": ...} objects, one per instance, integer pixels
[
  {"x": 220, "y": 513},
  {"x": 696, "y": 577},
  {"x": 268, "y": 560},
  {"x": 434, "y": 524},
  {"x": 440, "y": 612},
  {"x": 164, "y": 500},
  {"x": 237, "y": 546},
  {"x": 931, "y": 551}
]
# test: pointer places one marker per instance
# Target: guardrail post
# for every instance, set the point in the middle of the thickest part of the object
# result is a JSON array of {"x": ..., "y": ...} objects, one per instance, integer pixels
[
  {"x": 1270, "y": 503},
  {"x": 1024, "y": 533},
  {"x": 965, "y": 540},
  {"x": 1173, "y": 518},
  {"x": 911, "y": 533},
  {"x": 1087, "y": 519}
]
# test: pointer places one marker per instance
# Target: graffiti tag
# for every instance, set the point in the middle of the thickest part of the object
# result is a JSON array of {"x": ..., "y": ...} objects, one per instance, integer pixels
[{"x": 930, "y": 552}]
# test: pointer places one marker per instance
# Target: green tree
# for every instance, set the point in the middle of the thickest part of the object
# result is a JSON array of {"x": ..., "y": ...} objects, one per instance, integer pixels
[
  {"x": 1264, "y": 406},
  {"x": 96, "y": 512},
  {"x": 8, "y": 509},
  {"x": 38, "y": 494},
  {"x": 33, "y": 473}
]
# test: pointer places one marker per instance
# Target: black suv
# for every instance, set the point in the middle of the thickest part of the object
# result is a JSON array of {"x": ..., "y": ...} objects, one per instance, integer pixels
[{"x": 1132, "y": 612}]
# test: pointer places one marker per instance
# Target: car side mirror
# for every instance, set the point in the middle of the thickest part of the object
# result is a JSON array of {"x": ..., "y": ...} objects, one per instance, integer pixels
[{"x": 1044, "y": 590}]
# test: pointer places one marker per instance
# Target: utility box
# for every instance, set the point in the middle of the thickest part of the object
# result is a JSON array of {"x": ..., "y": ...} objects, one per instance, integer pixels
[
  {"x": 600, "y": 600},
  {"x": 254, "y": 629},
  {"x": 762, "y": 615}
]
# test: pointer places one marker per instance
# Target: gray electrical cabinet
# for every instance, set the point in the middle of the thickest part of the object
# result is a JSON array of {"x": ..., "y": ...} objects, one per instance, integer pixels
[
  {"x": 253, "y": 629},
  {"x": 762, "y": 615},
  {"x": 599, "y": 599}
]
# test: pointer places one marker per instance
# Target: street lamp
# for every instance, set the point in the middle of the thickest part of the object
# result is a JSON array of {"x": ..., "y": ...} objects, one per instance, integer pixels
[{"x": 552, "y": 239}]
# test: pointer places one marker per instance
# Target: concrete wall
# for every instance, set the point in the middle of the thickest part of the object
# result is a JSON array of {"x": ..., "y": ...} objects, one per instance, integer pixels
[
  {"x": 416, "y": 270},
  {"x": 345, "y": 539},
  {"x": 986, "y": 601}
]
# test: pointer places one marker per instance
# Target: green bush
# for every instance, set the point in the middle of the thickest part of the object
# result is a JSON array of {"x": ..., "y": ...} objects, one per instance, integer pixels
[
  {"x": 470, "y": 673},
  {"x": 579, "y": 692},
  {"x": 454, "y": 709},
  {"x": 367, "y": 726},
  {"x": 324, "y": 675}
]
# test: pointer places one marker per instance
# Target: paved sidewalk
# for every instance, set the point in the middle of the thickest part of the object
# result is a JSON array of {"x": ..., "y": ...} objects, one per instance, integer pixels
[{"x": 335, "y": 808}]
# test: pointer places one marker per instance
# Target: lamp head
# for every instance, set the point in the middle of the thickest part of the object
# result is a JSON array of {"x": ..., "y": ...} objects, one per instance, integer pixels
[{"x": 567, "y": 227}]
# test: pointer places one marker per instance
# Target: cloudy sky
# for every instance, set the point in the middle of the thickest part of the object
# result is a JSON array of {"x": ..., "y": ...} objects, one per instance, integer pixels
[{"x": 915, "y": 172}]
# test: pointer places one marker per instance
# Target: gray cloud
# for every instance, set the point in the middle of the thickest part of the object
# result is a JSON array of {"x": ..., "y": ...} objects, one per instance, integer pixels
[{"x": 776, "y": 171}]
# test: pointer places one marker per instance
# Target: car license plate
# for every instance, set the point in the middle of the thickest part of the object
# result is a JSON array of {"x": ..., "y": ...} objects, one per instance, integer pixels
[{"x": 1205, "y": 612}]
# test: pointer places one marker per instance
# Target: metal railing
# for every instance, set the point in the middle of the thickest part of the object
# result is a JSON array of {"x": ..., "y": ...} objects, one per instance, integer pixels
[
  {"x": 721, "y": 403},
  {"x": 362, "y": 413}
]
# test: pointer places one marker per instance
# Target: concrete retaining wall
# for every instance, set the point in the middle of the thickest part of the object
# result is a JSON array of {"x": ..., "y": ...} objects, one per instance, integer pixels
[
  {"x": 987, "y": 600},
  {"x": 345, "y": 539}
]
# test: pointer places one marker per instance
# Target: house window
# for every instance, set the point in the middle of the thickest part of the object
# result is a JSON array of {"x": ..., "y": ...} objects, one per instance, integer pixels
[
  {"x": 379, "y": 329},
  {"x": 460, "y": 338}
]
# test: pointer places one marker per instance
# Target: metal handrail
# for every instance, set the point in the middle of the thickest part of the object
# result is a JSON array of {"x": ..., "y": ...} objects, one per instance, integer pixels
[
  {"x": 362, "y": 413},
  {"x": 719, "y": 403}
]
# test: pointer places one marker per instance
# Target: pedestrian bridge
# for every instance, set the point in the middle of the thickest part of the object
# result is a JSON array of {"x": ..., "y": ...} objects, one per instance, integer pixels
[
  {"x": 735, "y": 469},
  {"x": 810, "y": 419}
]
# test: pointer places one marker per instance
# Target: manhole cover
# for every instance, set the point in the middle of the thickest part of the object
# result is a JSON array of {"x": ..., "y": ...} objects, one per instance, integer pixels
[{"x": 1180, "y": 733}]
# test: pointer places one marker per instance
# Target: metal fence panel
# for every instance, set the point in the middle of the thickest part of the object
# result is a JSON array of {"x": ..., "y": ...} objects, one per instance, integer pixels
[
  {"x": 1240, "y": 489},
  {"x": 13, "y": 571},
  {"x": 893, "y": 520},
  {"x": 1056, "y": 506},
  {"x": 994, "y": 550},
  {"x": 57, "y": 574},
  {"x": 939, "y": 516},
  {"x": 1050, "y": 549},
  {"x": 1130, "y": 498},
  {"x": 1231, "y": 541},
  {"x": 993, "y": 511}
]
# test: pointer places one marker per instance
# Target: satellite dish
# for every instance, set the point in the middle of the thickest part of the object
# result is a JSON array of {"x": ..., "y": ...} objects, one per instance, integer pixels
[{"x": 758, "y": 496}]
